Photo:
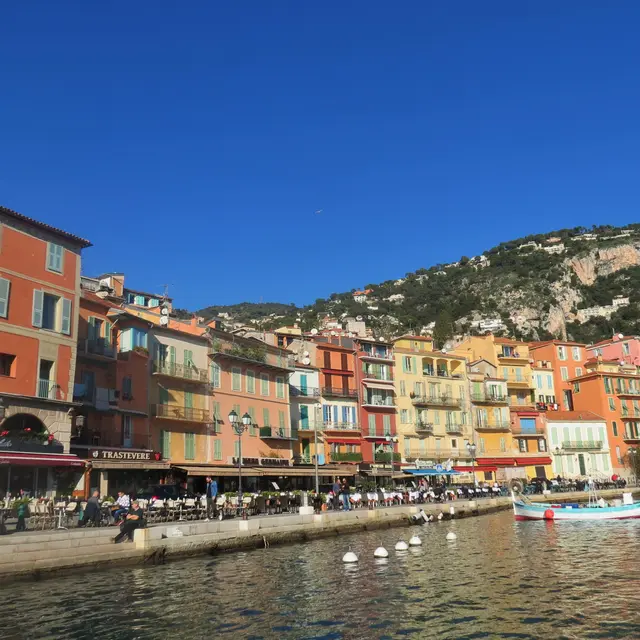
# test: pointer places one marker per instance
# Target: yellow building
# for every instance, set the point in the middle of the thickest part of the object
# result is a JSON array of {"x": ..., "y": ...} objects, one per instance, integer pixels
[
  {"x": 433, "y": 422},
  {"x": 522, "y": 451}
]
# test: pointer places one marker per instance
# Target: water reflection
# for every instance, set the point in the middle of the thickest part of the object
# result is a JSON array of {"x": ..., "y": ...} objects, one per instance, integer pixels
[{"x": 499, "y": 579}]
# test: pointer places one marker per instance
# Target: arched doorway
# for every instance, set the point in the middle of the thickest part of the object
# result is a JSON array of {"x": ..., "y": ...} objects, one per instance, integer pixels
[{"x": 26, "y": 427}]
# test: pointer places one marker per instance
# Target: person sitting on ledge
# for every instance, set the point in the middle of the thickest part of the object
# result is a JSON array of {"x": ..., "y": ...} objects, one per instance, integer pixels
[
  {"x": 92, "y": 512},
  {"x": 133, "y": 521}
]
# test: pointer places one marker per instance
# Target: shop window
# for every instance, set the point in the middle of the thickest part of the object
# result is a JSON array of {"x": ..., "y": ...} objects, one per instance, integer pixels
[{"x": 488, "y": 475}]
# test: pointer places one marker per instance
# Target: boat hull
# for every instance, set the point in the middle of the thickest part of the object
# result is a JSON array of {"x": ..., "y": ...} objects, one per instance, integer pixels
[{"x": 541, "y": 511}]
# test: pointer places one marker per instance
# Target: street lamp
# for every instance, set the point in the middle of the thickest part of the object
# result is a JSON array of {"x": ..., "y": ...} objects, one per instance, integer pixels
[
  {"x": 390, "y": 440},
  {"x": 634, "y": 462},
  {"x": 471, "y": 448},
  {"x": 239, "y": 428}
]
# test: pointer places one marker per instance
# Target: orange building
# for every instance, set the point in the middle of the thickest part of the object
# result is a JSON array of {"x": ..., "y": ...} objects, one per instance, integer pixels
[
  {"x": 612, "y": 390},
  {"x": 39, "y": 300},
  {"x": 567, "y": 360}
]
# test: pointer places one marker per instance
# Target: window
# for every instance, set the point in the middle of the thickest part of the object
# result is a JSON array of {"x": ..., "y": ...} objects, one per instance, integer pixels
[
  {"x": 539, "y": 380},
  {"x": 403, "y": 388},
  {"x": 51, "y": 312},
  {"x": 564, "y": 373},
  {"x": 217, "y": 449},
  {"x": 372, "y": 425},
  {"x": 612, "y": 404},
  {"x": 436, "y": 416},
  {"x": 188, "y": 400},
  {"x": 578, "y": 372},
  {"x": 542, "y": 445},
  {"x": 562, "y": 353},
  {"x": 251, "y": 381},
  {"x": 279, "y": 387},
  {"x": 618, "y": 454},
  {"x": 404, "y": 416},
  {"x": 576, "y": 387},
  {"x": 252, "y": 427},
  {"x": 165, "y": 444},
  {"x": 4, "y": 297},
  {"x": 481, "y": 445},
  {"x": 503, "y": 444},
  {"x": 236, "y": 379},
  {"x": 127, "y": 388},
  {"x": 54, "y": 257},
  {"x": 522, "y": 445},
  {"x": 127, "y": 431},
  {"x": 265, "y": 417},
  {"x": 625, "y": 348},
  {"x": 549, "y": 382},
  {"x": 264, "y": 384},
  {"x": 614, "y": 426},
  {"x": 189, "y": 446},
  {"x": 386, "y": 425},
  {"x": 236, "y": 449},
  {"x": 215, "y": 375},
  {"x": 407, "y": 447},
  {"x": 608, "y": 386},
  {"x": 7, "y": 363},
  {"x": 575, "y": 352}
]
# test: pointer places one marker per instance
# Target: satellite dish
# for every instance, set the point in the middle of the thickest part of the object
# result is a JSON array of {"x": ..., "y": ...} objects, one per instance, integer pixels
[
  {"x": 381, "y": 339},
  {"x": 314, "y": 331},
  {"x": 306, "y": 361},
  {"x": 333, "y": 333},
  {"x": 164, "y": 311},
  {"x": 620, "y": 335},
  {"x": 359, "y": 318},
  {"x": 164, "y": 321}
]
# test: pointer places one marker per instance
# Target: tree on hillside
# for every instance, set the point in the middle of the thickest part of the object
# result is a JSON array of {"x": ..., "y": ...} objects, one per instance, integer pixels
[{"x": 443, "y": 329}]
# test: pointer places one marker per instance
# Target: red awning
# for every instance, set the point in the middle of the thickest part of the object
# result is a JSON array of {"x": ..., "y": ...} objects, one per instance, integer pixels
[
  {"x": 41, "y": 460},
  {"x": 481, "y": 467},
  {"x": 524, "y": 462},
  {"x": 377, "y": 440},
  {"x": 342, "y": 441},
  {"x": 499, "y": 462}
]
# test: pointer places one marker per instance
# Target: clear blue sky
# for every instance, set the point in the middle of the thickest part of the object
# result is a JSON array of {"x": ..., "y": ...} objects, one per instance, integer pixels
[{"x": 191, "y": 142}]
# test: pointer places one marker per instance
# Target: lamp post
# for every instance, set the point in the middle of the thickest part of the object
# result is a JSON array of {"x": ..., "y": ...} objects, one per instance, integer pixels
[
  {"x": 634, "y": 462},
  {"x": 239, "y": 427},
  {"x": 471, "y": 448},
  {"x": 391, "y": 440},
  {"x": 316, "y": 422}
]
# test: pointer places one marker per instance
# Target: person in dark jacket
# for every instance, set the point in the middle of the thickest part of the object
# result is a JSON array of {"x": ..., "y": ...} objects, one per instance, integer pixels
[
  {"x": 92, "y": 510},
  {"x": 212, "y": 496}
]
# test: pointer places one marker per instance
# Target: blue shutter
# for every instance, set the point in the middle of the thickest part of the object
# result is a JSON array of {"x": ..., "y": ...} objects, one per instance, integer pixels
[
  {"x": 38, "y": 302},
  {"x": 345, "y": 414},
  {"x": 335, "y": 413},
  {"x": 66, "y": 316},
  {"x": 353, "y": 415},
  {"x": 325, "y": 413},
  {"x": 4, "y": 297}
]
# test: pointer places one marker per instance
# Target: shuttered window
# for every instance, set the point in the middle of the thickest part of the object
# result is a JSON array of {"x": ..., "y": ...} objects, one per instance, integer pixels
[
  {"x": 65, "y": 326},
  {"x": 279, "y": 387},
  {"x": 386, "y": 425},
  {"x": 372, "y": 425},
  {"x": 165, "y": 444},
  {"x": 236, "y": 379},
  {"x": 251, "y": 381},
  {"x": 215, "y": 375},
  {"x": 217, "y": 449},
  {"x": 264, "y": 384},
  {"x": 54, "y": 257},
  {"x": 252, "y": 426},
  {"x": 281, "y": 423},
  {"x": 265, "y": 417},
  {"x": 190, "y": 446},
  {"x": 4, "y": 297},
  {"x": 38, "y": 302}
]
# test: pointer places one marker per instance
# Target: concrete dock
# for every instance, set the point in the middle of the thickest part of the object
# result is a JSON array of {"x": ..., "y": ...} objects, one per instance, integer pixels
[{"x": 38, "y": 553}]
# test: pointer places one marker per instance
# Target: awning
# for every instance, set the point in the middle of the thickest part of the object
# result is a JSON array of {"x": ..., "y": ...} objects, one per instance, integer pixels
[
  {"x": 499, "y": 462},
  {"x": 478, "y": 467},
  {"x": 430, "y": 472},
  {"x": 376, "y": 440},
  {"x": 379, "y": 385},
  {"x": 526, "y": 462},
  {"x": 342, "y": 441},
  {"x": 41, "y": 460},
  {"x": 134, "y": 464},
  {"x": 219, "y": 471}
]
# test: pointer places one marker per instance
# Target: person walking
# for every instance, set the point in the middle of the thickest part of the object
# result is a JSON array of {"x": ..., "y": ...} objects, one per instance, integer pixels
[
  {"x": 336, "y": 493},
  {"x": 346, "y": 494},
  {"x": 133, "y": 521},
  {"x": 212, "y": 496}
]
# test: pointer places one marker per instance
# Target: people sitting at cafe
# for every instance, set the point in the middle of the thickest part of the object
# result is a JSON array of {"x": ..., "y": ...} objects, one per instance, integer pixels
[
  {"x": 133, "y": 521},
  {"x": 92, "y": 514},
  {"x": 123, "y": 503}
]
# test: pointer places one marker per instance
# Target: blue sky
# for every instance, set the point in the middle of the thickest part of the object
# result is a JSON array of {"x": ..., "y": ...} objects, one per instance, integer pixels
[{"x": 193, "y": 142}]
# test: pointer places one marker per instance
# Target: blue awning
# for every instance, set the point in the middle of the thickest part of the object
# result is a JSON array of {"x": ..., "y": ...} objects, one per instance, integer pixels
[{"x": 431, "y": 472}]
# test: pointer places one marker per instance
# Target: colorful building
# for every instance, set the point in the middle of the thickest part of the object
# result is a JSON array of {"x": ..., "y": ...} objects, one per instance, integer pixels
[
  {"x": 39, "y": 302},
  {"x": 306, "y": 412},
  {"x": 434, "y": 419},
  {"x": 623, "y": 348}
]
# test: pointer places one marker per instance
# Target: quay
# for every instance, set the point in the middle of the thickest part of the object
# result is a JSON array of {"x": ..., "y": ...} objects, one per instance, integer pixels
[{"x": 40, "y": 553}]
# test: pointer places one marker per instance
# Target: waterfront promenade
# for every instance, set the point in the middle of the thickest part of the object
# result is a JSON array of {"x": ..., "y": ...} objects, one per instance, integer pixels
[{"x": 36, "y": 553}]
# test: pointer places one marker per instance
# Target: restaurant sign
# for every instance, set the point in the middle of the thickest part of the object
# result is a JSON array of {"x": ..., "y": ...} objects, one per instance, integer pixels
[{"x": 124, "y": 455}]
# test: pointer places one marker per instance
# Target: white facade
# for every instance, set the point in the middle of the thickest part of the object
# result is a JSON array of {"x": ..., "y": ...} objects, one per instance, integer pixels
[
  {"x": 579, "y": 448},
  {"x": 304, "y": 395}
]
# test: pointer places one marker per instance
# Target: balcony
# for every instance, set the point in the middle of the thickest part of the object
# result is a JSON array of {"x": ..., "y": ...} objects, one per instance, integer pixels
[
  {"x": 628, "y": 392},
  {"x": 102, "y": 398},
  {"x": 304, "y": 392},
  {"x": 96, "y": 347},
  {"x": 435, "y": 401},
  {"x": 512, "y": 354},
  {"x": 307, "y": 425},
  {"x": 344, "y": 456},
  {"x": 47, "y": 389},
  {"x": 341, "y": 426},
  {"x": 276, "y": 433},
  {"x": 381, "y": 355},
  {"x": 438, "y": 455},
  {"x": 181, "y": 371},
  {"x": 518, "y": 430},
  {"x": 576, "y": 445},
  {"x": 379, "y": 403},
  {"x": 454, "y": 429},
  {"x": 184, "y": 414},
  {"x": 520, "y": 382},
  {"x": 494, "y": 425},
  {"x": 424, "y": 428},
  {"x": 489, "y": 398},
  {"x": 339, "y": 392},
  {"x": 430, "y": 372},
  {"x": 377, "y": 375},
  {"x": 386, "y": 457},
  {"x": 630, "y": 415}
]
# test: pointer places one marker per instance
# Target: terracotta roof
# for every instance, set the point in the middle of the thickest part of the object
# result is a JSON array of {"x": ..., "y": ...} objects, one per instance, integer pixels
[
  {"x": 566, "y": 343},
  {"x": 409, "y": 336},
  {"x": 609, "y": 341},
  {"x": 601, "y": 360},
  {"x": 81, "y": 242},
  {"x": 589, "y": 416},
  {"x": 509, "y": 341}
]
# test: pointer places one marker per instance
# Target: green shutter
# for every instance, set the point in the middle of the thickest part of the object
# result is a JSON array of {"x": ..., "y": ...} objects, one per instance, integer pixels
[
  {"x": 281, "y": 419},
  {"x": 217, "y": 449},
  {"x": 236, "y": 449},
  {"x": 252, "y": 428},
  {"x": 163, "y": 395},
  {"x": 404, "y": 364},
  {"x": 65, "y": 326},
  {"x": 38, "y": 302},
  {"x": 107, "y": 332},
  {"x": 414, "y": 367},
  {"x": 265, "y": 417},
  {"x": 172, "y": 355},
  {"x": 190, "y": 446},
  {"x": 188, "y": 399},
  {"x": 216, "y": 416},
  {"x": 165, "y": 444}
]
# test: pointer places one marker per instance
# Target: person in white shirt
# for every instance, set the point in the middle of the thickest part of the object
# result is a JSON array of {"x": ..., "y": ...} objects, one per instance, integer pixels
[{"x": 123, "y": 503}]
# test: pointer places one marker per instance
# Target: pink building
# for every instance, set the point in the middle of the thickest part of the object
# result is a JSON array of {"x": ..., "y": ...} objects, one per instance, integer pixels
[{"x": 622, "y": 348}]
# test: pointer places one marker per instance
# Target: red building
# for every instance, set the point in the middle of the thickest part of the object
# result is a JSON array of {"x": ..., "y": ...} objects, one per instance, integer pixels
[{"x": 39, "y": 302}]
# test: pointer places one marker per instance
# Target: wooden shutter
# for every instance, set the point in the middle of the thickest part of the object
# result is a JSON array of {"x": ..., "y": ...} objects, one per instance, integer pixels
[
  {"x": 281, "y": 419},
  {"x": 252, "y": 426},
  {"x": 190, "y": 446},
  {"x": 165, "y": 444},
  {"x": 265, "y": 417},
  {"x": 163, "y": 396},
  {"x": 66, "y": 316},
  {"x": 217, "y": 449},
  {"x": 4, "y": 297},
  {"x": 188, "y": 399},
  {"x": 38, "y": 302},
  {"x": 172, "y": 355}
]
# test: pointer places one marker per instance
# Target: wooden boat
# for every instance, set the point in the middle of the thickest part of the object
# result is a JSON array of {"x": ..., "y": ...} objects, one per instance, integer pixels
[{"x": 595, "y": 509}]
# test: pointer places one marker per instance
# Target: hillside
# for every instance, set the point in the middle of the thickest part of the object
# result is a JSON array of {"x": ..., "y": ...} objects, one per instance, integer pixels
[{"x": 548, "y": 285}]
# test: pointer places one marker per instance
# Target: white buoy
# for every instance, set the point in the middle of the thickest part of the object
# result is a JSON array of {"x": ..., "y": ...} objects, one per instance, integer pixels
[
  {"x": 349, "y": 557},
  {"x": 415, "y": 541},
  {"x": 451, "y": 536},
  {"x": 380, "y": 552},
  {"x": 401, "y": 546},
  {"x": 452, "y": 511},
  {"x": 440, "y": 516}
]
